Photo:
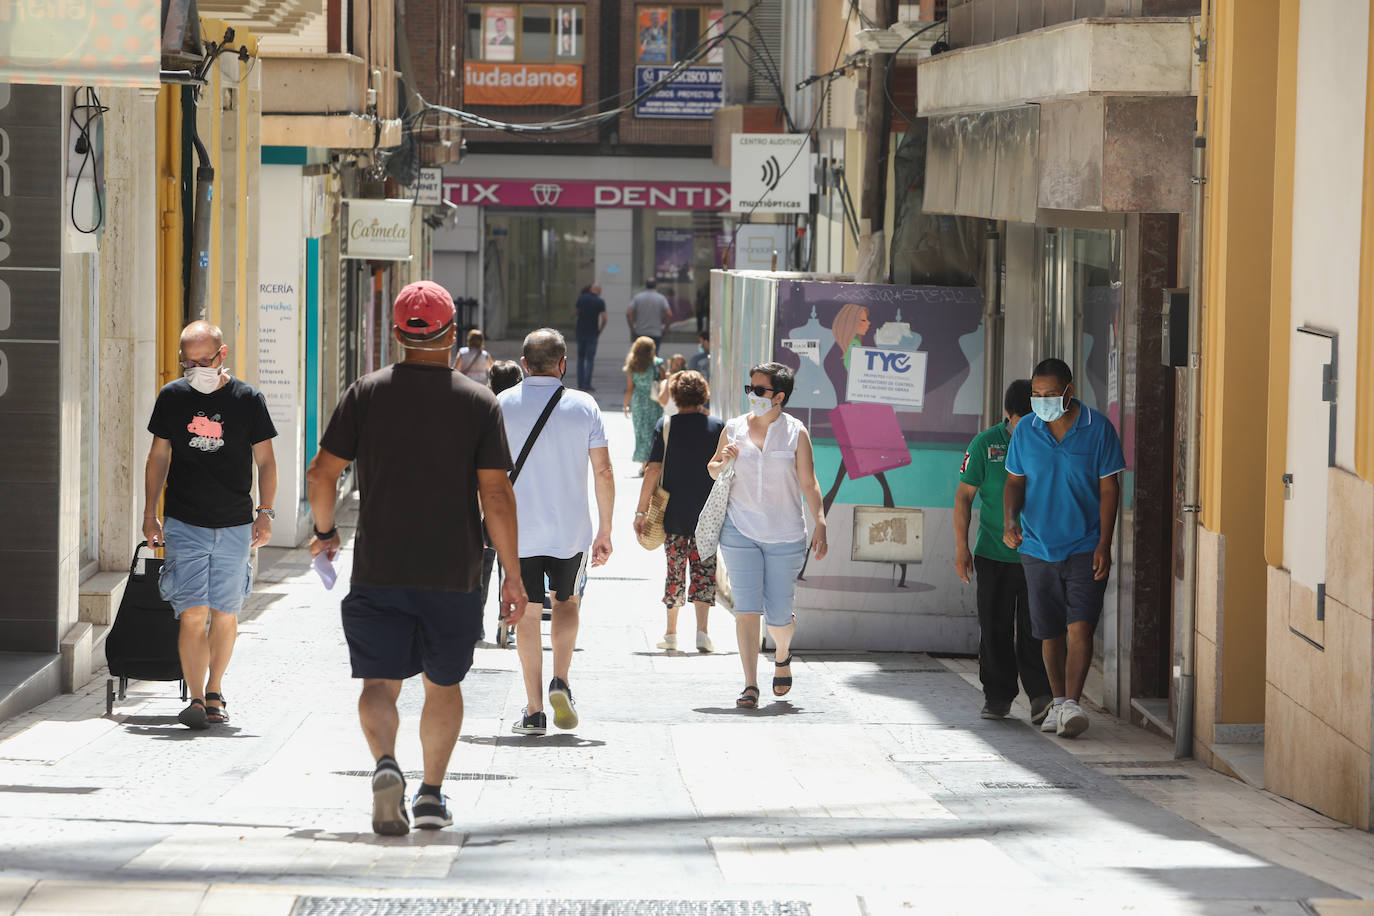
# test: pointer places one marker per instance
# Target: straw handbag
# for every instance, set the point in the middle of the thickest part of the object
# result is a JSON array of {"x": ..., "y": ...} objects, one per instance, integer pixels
[{"x": 652, "y": 536}]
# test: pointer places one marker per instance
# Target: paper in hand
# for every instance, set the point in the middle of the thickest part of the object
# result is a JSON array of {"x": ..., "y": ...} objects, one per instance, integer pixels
[{"x": 325, "y": 568}]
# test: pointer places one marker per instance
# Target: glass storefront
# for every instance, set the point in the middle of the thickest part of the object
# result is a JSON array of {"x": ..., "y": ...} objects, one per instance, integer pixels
[
  {"x": 1081, "y": 323},
  {"x": 678, "y": 248},
  {"x": 537, "y": 262}
]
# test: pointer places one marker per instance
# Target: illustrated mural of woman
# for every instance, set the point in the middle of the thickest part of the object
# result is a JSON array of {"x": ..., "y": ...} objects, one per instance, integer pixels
[{"x": 850, "y": 327}]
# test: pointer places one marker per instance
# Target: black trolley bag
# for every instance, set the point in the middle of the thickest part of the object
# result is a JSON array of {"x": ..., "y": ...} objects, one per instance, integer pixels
[{"x": 143, "y": 639}]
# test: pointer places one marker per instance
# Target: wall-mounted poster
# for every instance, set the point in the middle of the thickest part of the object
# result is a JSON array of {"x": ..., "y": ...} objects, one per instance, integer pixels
[
  {"x": 653, "y": 35},
  {"x": 567, "y": 34},
  {"x": 498, "y": 33},
  {"x": 715, "y": 27}
]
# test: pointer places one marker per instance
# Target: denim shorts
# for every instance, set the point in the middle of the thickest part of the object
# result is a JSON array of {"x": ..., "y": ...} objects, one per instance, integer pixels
[
  {"x": 763, "y": 577},
  {"x": 395, "y": 633},
  {"x": 206, "y": 567},
  {"x": 1062, "y": 593}
]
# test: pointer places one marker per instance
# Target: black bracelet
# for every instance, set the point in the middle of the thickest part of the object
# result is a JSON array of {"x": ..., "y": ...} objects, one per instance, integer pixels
[{"x": 326, "y": 535}]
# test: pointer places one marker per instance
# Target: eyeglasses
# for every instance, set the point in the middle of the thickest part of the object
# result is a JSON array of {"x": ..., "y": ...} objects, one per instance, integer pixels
[
  {"x": 201, "y": 363},
  {"x": 758, "y": 390}
]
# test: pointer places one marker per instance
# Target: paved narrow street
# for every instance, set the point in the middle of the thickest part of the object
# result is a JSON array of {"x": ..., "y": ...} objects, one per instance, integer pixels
[{"x": 873, "y": 788}]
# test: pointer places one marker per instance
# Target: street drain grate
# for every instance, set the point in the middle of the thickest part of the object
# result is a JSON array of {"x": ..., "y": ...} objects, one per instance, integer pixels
[
  {"x": 419, "y": 774},
  {"x": 487, "y": 906},
  {"x": 1030, "y": 785},
  {"x": 1159, "y": 776},
  {"x": 1133, "y": 764}
]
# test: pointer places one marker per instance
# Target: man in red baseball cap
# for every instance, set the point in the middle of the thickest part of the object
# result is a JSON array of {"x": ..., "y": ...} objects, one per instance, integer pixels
[{"x": 427, "y": 441}]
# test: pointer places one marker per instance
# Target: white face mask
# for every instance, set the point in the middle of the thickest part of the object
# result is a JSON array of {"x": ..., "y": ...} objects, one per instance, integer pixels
[
  {"x": 759, "y": 406},
  {"x": 204, "y": 379}
]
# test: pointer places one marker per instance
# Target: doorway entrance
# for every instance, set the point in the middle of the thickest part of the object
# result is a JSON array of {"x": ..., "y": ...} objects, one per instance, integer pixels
[{"x": 537, "y": 263}]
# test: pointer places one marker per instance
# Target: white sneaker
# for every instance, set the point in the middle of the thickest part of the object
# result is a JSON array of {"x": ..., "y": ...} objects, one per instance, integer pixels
[
  {"x": 1051, "y": 723},
  {"x": 669, "y": 642},
  {"x": 1073, "y": 721},
  {"x": 704, "y": 643}
]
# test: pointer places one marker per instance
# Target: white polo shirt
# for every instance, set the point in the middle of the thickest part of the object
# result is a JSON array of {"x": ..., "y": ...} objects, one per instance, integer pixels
[{"x": 551, "y": 493}]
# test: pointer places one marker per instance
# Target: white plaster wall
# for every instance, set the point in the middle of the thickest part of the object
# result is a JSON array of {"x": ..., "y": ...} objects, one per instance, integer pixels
[
  {"x": 1333, "y": 47},
  {"x": 587, "y": 168}
]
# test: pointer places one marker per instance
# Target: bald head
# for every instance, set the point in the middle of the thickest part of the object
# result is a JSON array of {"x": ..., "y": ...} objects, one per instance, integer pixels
[
  {"x": 544, "y": 350},
  {"x": 201, "y": 340}
]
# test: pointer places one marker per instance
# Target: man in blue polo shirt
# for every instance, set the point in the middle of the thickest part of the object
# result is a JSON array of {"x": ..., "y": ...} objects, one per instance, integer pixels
[{"x": 1063, "y": 489}]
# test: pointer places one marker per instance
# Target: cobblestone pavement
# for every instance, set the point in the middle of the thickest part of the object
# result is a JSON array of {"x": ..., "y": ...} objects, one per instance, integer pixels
[{"x": 873, "y": 788}]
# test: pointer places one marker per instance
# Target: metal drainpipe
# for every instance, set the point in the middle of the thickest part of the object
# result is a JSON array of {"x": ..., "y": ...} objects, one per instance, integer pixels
[
  {"x": 200, "y": 237},
  {"x": 992, "y": 327},
  {"x": 1183, "y": 717}
]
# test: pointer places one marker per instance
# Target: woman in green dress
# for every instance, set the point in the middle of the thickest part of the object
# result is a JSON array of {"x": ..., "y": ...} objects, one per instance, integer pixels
[{"x": 642, "y": 369}]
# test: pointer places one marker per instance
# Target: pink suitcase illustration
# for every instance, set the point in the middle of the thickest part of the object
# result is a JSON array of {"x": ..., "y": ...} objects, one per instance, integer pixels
[{"x": 870, "y": 438}]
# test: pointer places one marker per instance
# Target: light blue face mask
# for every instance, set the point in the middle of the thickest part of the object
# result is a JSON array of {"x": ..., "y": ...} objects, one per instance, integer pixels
[{"x": 1048, "y": 409}]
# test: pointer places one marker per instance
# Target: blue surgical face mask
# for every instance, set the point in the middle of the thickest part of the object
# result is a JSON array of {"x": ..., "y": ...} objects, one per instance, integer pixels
[{"x": 1048, "y": 409}]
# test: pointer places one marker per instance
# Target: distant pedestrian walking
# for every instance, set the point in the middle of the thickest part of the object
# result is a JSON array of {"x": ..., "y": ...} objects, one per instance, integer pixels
[
  {"x": 682, "y": 446},
  {"x": 676, "y": 363},
  {"x": 503, "y": 375},
  {"x": 1063, "y": 487},
  {"x": 642, "y": 370},
  {"x": 700, "y": 361},
  {"x": 473, "y": 361},
  {"x": 649, "y": 314},
  {"x": 590, "y": 310},
  {"x": 1006, "y": 647},
  {"x": 209, "y": 430},
  {"x": 427, "y": 442},
  {"x": 561, "y": 433},
  {"x": 763, "y": 540}
]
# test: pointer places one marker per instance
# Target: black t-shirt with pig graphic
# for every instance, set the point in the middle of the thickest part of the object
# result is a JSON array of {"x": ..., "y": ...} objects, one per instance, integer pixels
[{"x": 210, "y": 481}]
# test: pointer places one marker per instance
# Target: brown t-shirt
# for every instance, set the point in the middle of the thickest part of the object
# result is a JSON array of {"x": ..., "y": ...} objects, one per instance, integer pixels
[{"x": 417, "y": 435}]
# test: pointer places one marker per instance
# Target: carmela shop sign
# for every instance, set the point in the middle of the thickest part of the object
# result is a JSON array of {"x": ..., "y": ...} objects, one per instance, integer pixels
[
  {"x": 522, "y": 84},
  {"x": 378, "y": 230},
  {"x": 653, "y": 195}
]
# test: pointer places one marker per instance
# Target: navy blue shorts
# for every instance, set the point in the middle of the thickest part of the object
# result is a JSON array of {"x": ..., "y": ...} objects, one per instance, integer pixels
[
  {"x": 1062, "y": 593},
  {"x": 395, "y": 633}
]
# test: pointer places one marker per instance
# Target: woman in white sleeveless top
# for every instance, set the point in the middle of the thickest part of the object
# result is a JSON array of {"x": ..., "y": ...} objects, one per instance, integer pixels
[
  {"x": 763, "y": 539},
  {"x": 473, "y": 361}
]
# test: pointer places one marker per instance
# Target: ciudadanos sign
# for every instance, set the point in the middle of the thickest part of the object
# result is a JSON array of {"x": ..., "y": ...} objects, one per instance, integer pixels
[{"x": 378, "y": 230}]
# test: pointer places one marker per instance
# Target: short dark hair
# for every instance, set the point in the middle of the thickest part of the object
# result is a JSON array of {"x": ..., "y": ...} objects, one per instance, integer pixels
[
  {"x": 780, "y": 378},
  {"x": 1054, "y": 367},
  {"x": 543, "y": 350},
  {"x": 650, "y": 283},
  {"x": 503, "y": 375},
  {"x": 1017, "y": 402},
  {"x": 703, "y": 335}
]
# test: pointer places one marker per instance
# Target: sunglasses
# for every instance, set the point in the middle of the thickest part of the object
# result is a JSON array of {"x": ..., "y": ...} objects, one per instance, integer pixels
[{"x": 759, "y": 390}]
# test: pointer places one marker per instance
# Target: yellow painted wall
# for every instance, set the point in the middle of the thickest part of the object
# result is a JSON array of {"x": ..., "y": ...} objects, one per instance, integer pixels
[
  {"x": 1364, "y": 398},
  {"x": 1238, "y": 224}
]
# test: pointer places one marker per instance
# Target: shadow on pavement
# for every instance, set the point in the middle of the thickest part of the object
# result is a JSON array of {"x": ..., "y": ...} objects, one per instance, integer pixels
[
  {"x": 769, "y": 710},
  {"x": 530, "y": 741},
  {"x": 182, "y": 733},
  {"x": 414, "y": 838}
]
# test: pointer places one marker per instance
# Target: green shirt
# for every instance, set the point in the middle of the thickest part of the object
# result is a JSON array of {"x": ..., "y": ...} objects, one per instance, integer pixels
[{"x": 985, "y": 467}]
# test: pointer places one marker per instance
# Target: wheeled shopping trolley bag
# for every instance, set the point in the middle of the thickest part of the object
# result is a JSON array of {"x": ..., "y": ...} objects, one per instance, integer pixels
[{"x": 143, "y": 640}]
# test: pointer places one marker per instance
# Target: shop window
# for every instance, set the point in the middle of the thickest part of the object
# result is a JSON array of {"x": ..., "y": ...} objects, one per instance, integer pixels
[
  {"x": 526, "y": 32},
  {"x": 679, "y": 249},
  {"x": 1082, "y": 318},
  {"x": 669, "y": 32}
]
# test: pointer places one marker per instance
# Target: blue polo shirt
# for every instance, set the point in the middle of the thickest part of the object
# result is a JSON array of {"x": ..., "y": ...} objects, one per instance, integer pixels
[{"x": 1062, "y": 515}]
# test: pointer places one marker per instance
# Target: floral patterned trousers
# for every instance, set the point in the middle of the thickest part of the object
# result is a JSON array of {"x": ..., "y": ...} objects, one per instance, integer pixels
[{"x": 679, "y": 549}]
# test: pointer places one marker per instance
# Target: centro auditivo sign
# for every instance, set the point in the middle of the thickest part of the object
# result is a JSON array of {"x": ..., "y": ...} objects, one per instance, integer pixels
[{"x": 378, "y": 230}]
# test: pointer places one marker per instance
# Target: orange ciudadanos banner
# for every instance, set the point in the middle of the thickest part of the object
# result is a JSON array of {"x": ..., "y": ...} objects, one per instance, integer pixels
[{"x": 522, "y": 84}]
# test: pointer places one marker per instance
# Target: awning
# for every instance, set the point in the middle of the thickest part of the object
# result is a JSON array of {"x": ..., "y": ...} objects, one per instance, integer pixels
[{"x": 80, "y": 42}]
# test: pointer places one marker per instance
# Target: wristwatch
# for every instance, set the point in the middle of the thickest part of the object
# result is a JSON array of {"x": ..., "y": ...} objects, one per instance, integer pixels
[{"x": 267, "y": 511}]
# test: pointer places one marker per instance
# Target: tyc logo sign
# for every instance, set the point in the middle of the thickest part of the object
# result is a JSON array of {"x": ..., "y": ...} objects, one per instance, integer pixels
[
  {"x": 881, "y": 375},
  {"x": 889, "y": 360}
]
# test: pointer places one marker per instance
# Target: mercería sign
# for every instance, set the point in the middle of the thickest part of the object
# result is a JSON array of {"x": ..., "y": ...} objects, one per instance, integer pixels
[
  {"x": 667, "y": 195},
  {"x": 378, "y": 230}
]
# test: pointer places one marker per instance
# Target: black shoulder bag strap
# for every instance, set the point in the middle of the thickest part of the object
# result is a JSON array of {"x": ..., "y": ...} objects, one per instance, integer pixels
[{"x": 534, "y": 433}]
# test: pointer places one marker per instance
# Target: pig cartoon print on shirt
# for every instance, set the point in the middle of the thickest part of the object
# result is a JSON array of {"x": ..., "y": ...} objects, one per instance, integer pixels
[{"x": 207, "y": 432}]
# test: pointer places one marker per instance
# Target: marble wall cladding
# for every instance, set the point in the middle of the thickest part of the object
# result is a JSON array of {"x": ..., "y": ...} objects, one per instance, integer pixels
[
  {"x": 1350, "y": 541},
  {"x": 1147, "y": 154},
  {"x": 1071, "y": 154},
  {"x": 1309, "y": 761},
  {"x": 1302, "y": 614},
  {"x": 1210, "y": 553},
  {"x": 1206, "y": 689}
]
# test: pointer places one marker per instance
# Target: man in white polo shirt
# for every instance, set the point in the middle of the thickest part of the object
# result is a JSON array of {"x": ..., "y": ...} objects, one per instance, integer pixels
[{"x": 554, "y": 516}]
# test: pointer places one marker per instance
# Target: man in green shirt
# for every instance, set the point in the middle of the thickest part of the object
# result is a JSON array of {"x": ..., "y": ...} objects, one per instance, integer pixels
[{"x": 1006, "y": 647}]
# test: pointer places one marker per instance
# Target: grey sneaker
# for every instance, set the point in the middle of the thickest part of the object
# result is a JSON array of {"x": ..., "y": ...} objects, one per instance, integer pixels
[
  {"x": 996, "y": 709},
  {"x": 389, "y": 816},
  {"x": 1051, "y": 722},
  {"x": 431, "y": 811},
  {"x": 1073, "y": 721},
  {"x": 560, "y": 698},
  {"x": 1040, "y": 706},
  {"x": 531, "y": 723}
]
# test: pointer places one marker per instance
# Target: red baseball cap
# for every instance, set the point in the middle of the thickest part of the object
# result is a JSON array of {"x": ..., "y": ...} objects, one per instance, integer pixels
[{"x": 422, "y": 308}]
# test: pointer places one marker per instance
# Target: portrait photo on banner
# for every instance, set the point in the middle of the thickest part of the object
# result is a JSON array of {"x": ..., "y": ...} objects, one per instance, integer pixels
[
  {"x": 568, "y": 34},
  {"x": 653, "y": 35},
  {"x": 498, "y": 33}
]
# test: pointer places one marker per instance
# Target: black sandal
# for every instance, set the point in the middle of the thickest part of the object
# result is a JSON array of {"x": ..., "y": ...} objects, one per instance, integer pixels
[
  {"x": 784, "y": 682},
  {"x": 747, "y": 700},
  {"x": 194, "y": 716},
  {"x": 217, "y": 714}
]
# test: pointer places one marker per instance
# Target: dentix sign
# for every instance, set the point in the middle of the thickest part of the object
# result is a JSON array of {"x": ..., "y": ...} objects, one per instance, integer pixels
[{"x": 378, "y": 230}]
